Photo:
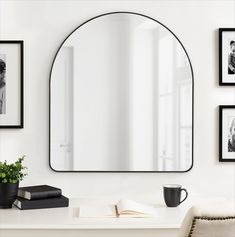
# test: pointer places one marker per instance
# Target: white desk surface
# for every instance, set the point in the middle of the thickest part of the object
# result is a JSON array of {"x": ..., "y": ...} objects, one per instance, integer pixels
[{"x": 67, "y": 218}]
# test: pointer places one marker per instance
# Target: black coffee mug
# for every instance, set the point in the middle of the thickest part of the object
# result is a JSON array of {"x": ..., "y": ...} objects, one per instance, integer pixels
[{"x": 172, "y": 194}]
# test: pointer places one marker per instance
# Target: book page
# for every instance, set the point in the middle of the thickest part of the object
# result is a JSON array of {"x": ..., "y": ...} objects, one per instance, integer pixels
[
  {"x": 97, "y": 211},
  {"x": 131, "y": 208}
]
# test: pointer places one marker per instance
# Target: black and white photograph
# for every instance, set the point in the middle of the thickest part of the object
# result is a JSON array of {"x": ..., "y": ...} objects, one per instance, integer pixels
[
  {"x": 227, "y": 56},
  {"x": 231, "y": 134},
  {"x": 231, "y": 57},
  {"x": 11, "y": 84},
  {"x": 2, "y": 83},
  {"x": 227, "y": 133}
]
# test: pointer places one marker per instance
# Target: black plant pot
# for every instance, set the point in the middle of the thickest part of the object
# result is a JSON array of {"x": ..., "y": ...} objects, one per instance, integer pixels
[{"x": 8, "y": 193}]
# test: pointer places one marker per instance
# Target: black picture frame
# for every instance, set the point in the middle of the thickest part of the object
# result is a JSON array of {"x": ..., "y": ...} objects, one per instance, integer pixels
[
  {"x": 225, "y": 78},
  {"x": 223, "y": 139},
  {"x": 15, "y": 48}
]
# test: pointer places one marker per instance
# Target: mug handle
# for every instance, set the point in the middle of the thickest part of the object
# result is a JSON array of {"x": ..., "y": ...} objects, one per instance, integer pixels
[{"x": 183, "y": 189}]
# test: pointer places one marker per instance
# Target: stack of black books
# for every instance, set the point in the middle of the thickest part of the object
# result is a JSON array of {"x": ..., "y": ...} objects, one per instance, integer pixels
[{"x": 40, "y": 196}]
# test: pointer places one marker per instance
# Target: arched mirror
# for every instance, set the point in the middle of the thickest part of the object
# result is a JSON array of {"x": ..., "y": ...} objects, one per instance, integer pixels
[{"x": 121, "y": 98}]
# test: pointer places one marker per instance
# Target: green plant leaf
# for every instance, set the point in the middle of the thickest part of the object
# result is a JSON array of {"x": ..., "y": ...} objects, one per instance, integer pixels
[{"x": 12, "y": 173}]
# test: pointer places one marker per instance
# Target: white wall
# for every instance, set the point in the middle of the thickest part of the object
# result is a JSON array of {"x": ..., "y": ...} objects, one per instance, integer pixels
[{"x": 44, "y": 24}]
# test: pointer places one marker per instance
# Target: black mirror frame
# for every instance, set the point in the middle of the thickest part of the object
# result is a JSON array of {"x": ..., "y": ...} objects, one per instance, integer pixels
[{"x": 87, "y": 171}]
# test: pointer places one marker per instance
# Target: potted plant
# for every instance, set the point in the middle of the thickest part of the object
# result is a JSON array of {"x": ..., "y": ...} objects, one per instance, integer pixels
[{"x": 10, "y": 176}]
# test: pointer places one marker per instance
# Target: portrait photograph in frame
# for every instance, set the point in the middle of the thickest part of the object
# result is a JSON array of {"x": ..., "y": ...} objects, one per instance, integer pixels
[
  {"x": 227, "y": 133},
  {"x": 11, "y": 83},
  {"x": 226, "y": 56}
]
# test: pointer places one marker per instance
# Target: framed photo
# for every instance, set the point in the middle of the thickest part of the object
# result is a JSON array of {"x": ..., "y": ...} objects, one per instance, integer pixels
[
  {"x": 226, "y": 56},
  {"x": 226, "y": 133},
  {"x": 11, "y": 83}
]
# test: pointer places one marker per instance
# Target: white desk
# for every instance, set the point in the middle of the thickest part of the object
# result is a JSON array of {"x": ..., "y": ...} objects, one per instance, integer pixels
[{"x": 65, "y": 222}]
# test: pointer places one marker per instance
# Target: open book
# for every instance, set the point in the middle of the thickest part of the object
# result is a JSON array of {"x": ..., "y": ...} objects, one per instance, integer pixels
[{"x": 124, "y": 208}]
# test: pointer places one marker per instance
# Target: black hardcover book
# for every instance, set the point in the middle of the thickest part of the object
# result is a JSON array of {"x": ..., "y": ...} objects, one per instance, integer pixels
[
  {"x": 25, "y": 204},
  {"x": 39, "y": 192}
]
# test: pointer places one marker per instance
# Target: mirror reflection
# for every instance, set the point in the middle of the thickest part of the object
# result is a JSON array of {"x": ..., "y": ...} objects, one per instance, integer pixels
[{"x": 121, "y": 98}]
